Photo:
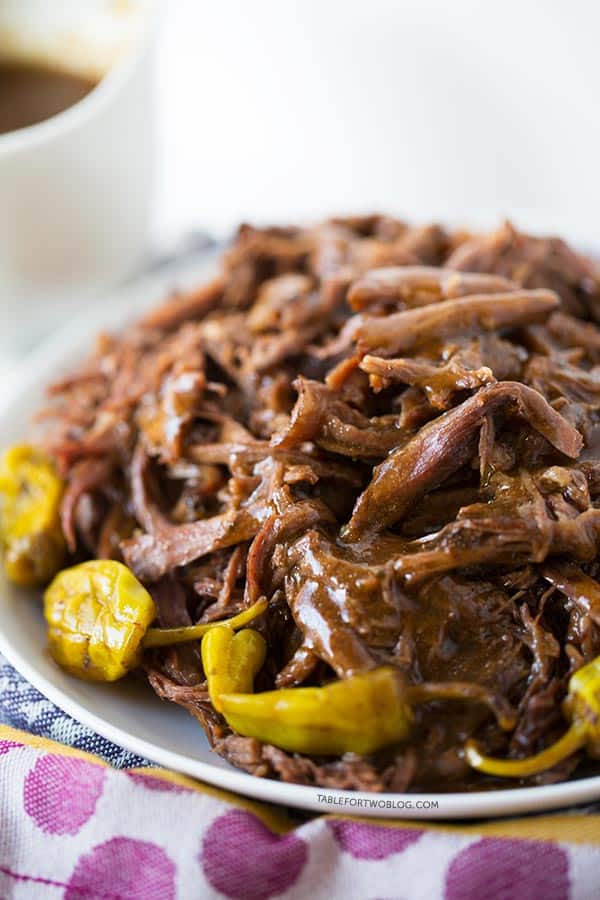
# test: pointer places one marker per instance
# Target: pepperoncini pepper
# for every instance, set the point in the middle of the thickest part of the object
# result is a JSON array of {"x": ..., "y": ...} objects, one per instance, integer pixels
[
  {"x": 361, "y": 714},
  {"x": 99, "y": 618},
  {"x": 581, "y": 707},
  {"x": 231, "y": 661},
  {"x": 30, "y": 530}
]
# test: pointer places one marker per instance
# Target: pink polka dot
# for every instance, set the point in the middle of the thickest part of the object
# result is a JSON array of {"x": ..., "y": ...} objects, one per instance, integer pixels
[
  {"x": 244, "y": 860},
  {"x": 61, "y": 793},
  {"x": 5, "y": 746},
  {"x": 372, "y": 841},
  {"x": 153, "y": 783},
  {"x": 509, "y": 870},
  {"x": 123, "y": 869}
]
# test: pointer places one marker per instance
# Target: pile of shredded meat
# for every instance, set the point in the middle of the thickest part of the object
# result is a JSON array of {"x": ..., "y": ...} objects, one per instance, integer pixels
[{"x": 392, "y": 434}]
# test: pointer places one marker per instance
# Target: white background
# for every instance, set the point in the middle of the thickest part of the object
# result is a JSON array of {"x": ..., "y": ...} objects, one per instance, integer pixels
[
  {"x": 462, "y": 110},
  {"x": 459, "y": 110}
]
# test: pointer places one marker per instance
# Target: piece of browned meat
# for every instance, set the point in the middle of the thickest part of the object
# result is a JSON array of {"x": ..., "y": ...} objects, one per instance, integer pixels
[{"x": 534, "y": 262}]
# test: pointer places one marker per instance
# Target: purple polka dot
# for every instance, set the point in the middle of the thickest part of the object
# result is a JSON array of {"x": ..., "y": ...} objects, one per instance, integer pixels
[
  {"x": 509, "y": 870},
  {"x": 5, "y": 746},
  {"x": 243, "y": 859},
  {"x": 372, "y": 841},
  {"x": 158, "y": 784},
  {"x": 123, "y": 868},
  {"x": 61, "y": 793}
]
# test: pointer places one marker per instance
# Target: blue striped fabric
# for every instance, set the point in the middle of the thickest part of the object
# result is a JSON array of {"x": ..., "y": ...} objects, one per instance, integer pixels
[{"x": 22, "y": 706}]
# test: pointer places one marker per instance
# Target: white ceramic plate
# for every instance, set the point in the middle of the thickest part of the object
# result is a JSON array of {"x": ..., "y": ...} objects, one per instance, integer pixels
[{"x": 130, "y": 714}]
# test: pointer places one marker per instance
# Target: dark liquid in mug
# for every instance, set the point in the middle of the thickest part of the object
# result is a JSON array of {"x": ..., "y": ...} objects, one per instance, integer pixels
[{"x": 30, "y": 94}]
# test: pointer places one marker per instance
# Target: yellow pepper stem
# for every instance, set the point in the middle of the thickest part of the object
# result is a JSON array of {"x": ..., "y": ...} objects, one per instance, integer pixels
[
  {"x": 165, "y": 637},
  {"x": 458, "y": 690},
  {"x": 571, "y": 741}
]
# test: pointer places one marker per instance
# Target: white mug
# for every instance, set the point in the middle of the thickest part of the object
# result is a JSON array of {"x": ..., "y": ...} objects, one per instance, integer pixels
[{"x": 75, "y": 189}]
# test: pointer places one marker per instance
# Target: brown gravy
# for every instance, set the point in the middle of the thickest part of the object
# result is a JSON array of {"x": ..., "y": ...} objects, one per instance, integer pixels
[{"x": 31, "y": 93}]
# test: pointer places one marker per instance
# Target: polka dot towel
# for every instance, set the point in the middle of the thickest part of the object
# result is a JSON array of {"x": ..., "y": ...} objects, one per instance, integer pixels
[{"x": 72, "y": 827}]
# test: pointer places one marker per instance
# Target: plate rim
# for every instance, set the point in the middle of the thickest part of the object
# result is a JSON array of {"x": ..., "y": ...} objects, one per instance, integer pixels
[{"x": 35, "y": 370}]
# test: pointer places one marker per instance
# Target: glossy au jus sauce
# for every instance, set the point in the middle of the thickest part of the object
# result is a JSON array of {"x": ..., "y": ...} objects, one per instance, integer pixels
[{"x": 31, "y": 93}]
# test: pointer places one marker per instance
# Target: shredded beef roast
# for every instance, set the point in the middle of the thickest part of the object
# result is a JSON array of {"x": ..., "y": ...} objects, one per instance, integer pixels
[{"x": 393, "y": 434}]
